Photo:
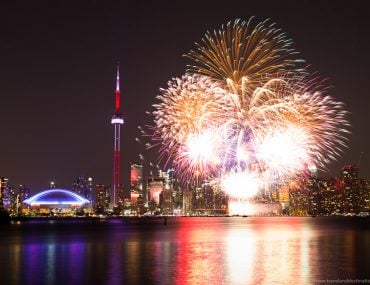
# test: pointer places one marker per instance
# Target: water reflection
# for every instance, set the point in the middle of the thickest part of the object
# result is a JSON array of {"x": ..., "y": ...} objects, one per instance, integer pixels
[
  {"x": 240, "y": 252},
  {"x": 186, "y": 251},
  {"x": 200, "y": 257}
]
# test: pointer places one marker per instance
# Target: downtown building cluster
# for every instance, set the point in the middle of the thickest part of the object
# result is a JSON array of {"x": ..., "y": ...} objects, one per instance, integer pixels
[
  {"x": 347, "y": 194},
  {"x": 156, "y": 194},
  {"x": 11, "y": 198},
  {"x": 162, "y": 194}
]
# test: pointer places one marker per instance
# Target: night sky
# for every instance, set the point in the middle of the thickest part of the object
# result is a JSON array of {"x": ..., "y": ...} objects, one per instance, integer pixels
[{"x": 58, "y": 64}]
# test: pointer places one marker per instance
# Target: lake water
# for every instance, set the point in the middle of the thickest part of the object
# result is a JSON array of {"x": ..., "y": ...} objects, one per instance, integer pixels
[{"x": 194, "y": 250}]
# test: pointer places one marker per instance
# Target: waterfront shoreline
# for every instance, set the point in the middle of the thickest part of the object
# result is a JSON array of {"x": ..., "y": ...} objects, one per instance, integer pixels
[{"x": 157, "y": 218}]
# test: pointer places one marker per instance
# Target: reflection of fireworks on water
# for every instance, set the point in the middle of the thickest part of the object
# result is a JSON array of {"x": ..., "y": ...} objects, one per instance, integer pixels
[{"x": 251, "y": 117}]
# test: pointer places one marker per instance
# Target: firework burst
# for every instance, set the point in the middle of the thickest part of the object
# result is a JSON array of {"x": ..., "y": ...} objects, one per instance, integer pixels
[
  {"x": 245, "y": 115},
  {"x": 242, "y": 51},
  {"x": 187, "y": 106}
]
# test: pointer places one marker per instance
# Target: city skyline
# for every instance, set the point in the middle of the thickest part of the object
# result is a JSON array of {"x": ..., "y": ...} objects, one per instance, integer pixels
[
  {"x": 344, "y": 195},
  {"x": 66, "y": 92}
]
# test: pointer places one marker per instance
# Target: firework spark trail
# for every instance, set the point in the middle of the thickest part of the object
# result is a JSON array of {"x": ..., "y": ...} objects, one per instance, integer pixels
[
  {"x": 247, "y": 114},
  {"x": 243, "y": 50}
]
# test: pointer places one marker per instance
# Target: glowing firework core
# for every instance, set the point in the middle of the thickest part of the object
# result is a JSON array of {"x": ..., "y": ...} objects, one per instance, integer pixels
[
  {"x": 285, "y": 149},
  {"x": 201, "y": 148},
  {"x": 240, "y": 184}
]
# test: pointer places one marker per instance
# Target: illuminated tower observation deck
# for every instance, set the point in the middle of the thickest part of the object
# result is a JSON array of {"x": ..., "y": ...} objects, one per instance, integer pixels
[{"x": 117, "y": 121}]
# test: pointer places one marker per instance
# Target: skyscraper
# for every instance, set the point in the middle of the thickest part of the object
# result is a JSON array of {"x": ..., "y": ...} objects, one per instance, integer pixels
[
  {"x": 187, "y": 201},
  {"x": 166, "y": 202},
  {"x": 155, "y": 186},
  {"x": 351, "y": 189},
  {"x": 8, "y": 197},
  {"x": 3, "y": 186},
  {"x": 102, "y": 198},
  {"x": 12, "y": 201},
  {"x": 136, "y": 177},
  {"x": 24, "y": 193},
  {"x": 83, "y": 186},
  {"x": 117, "y": 121}
]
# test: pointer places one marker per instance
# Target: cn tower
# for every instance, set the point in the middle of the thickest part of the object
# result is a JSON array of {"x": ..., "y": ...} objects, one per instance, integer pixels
[{"x": 117, "y": 121}]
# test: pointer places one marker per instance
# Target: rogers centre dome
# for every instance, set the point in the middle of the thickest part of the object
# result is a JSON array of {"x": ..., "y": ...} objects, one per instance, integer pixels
[{"x": 57, "y": 199}]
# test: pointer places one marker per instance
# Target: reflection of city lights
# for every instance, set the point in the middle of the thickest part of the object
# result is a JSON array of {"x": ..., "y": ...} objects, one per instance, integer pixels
[{"x": 240, "y": 250}]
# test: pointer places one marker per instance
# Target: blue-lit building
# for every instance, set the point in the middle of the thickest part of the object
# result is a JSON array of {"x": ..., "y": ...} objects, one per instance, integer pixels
[{"x": 57, "y": 201}]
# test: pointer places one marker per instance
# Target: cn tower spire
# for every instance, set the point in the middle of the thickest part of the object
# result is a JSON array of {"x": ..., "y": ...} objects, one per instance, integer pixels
[
  {"x": 117, "y": 121},
  {"x": 118, "y": 93}
]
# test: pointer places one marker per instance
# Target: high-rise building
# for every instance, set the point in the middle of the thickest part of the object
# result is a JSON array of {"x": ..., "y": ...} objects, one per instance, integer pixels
[
  {"x": 364, "y": 195},
  {"x": 117, "y": 121},
  {"x": 198, "y": 200},
  {"x": 24, "y": 193},
  {"x": 209, "y": 199},
  {"x": 203, "y": 199},
  {"x": 351, "y": 189},
  {"x": 134, "y": 195},
  {"x": 102, "y": 198},
  {"x": 13, "y": 201},
  {"x": 137, "y": 206},
  {"x": 166, "y": 202},
  {"x": 8, "y": 197},
  {"x": 121, "y": 198},
  {"x": 177, "y": 189},
  {"x": 136, "y": 177},
  {"x": 298, "y": 198},
  {"x": 84, "y": 187},
  {"x": 187, "y": 201},
  {"x": 220, "y": 204},
  {"x": 155, "y": 186},
  {"x": 329, "y": 198},
  {"x": 3, "y": 187},
  {"x": 314, "y": 196}
]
